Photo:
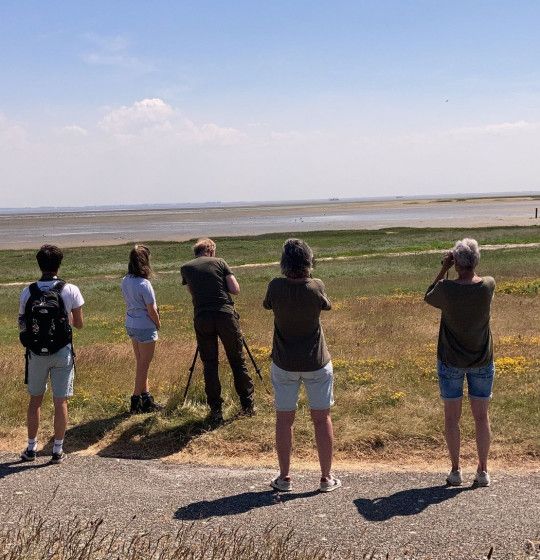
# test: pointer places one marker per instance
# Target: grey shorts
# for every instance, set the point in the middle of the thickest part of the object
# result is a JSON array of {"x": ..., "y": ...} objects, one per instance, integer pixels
[
  {"x": 319, "y": 386},
  {"x": 58, "y": 366}
]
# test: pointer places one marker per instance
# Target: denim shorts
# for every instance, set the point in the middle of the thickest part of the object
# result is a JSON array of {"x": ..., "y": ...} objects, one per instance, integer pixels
[
  {"x": 142, "y": 335},
  {"x": 319, "y": 386},
  {"x": 479, "y": 381}
]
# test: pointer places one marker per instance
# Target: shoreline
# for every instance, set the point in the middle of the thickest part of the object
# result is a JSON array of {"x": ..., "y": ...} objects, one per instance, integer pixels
[{"x": 117, "y": 227}]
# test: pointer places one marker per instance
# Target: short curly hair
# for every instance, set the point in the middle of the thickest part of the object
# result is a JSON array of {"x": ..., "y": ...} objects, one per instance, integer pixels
[
  {"x": 466, "y": 253},
  {"x": 203, "y": 247},
  {"x": 296, "y": 259}
]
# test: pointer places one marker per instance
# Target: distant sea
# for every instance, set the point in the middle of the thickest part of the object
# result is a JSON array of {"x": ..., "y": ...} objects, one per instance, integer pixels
[
  {"x": 240, "y": 204},
  {"x": 99, "y": 225}
]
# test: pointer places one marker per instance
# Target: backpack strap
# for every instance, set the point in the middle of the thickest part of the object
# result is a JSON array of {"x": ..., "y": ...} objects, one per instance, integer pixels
[
  {"x": 26, "y": 358},
  {"x": 35, "y": 292}
]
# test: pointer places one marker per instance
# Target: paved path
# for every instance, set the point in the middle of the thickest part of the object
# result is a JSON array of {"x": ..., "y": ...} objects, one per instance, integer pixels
[{"x": 387, "y": 512}]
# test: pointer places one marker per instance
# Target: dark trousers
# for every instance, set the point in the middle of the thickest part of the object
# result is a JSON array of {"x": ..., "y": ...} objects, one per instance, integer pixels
[{"x": 209, "y": 326}]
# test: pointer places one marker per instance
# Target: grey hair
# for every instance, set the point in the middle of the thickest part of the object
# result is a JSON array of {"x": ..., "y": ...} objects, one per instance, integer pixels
[
  {"x": 296, "y": 259},
  {"x": 466, "y": 253}
]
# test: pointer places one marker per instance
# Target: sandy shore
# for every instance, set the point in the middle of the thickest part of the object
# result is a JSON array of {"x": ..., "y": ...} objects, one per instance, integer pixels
[{"x": 71, "y": 229}]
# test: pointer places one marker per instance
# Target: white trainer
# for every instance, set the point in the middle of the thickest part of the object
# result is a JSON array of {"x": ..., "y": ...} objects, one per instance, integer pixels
[
  {"x": 454, "y": 478},
  {"x": 482, "y": 479}
]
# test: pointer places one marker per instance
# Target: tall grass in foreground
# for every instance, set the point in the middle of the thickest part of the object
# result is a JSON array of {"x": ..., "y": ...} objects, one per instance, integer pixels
[{"x": 33, "y": 538}]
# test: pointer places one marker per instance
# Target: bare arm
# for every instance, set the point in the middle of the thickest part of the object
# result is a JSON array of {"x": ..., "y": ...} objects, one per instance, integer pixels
[
  {"x": 77, "y": 317},
  {"x": 232, "y": 284},
  {"x": 154, "y": 314},
  {"x": 434, "y": 296}
]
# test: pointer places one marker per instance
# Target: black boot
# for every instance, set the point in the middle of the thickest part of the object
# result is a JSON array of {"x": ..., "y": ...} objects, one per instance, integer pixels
[
  {"x": 136, "y": 403},
  {"x": 148, "y": 404},
  {"x": 216, "y": 416}
]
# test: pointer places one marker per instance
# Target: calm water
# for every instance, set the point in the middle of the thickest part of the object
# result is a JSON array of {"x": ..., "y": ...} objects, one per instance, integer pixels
[{"x": 117, "y": 226}]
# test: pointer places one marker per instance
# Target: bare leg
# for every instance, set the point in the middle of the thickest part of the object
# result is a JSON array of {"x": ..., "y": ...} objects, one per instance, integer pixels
[
  {"x": 33, "y": 415},
  {"x": 284, "y": 423},
  {"x": 144, "y": 352},
  {"x": 60, "y": 417},
  {"x": 324, "y": 436},
  {"x": 452, "y": 415},
  {"x": 479, "y": 408}
]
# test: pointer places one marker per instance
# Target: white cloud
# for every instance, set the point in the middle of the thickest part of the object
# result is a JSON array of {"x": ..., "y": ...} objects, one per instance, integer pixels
[
  {"x": 497, "y": 128},
  {"x": 143, "y": 115},
  {"x": 214, "y": 134},
  {"x": 12, "y": 134},
  {"x": 74, "y": 130},
  {"x": 154, "y": 117},
  {"x": 114, "y": 51}
]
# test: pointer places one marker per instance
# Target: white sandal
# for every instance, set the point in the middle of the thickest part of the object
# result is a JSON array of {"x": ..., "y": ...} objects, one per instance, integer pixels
[
  {"x": 329, "y": 484},
  {"x": 281, "y": 484}
]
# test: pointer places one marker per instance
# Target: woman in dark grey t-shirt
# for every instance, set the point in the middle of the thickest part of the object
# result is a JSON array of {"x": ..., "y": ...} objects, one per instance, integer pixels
[
  {"x": 300, "y": 356},
  {"x": 465, "y": 349}
]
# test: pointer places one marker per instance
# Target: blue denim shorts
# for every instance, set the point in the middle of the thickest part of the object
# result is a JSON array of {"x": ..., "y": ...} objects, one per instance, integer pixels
[
  {"x": 479, "y": 381},
  {"x": 142, "y": 335}
]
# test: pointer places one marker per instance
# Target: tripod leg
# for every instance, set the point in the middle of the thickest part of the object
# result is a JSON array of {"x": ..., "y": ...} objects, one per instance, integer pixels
[
  {"x": 191, "y": 370},
  {"x": 257, "y": 368}
]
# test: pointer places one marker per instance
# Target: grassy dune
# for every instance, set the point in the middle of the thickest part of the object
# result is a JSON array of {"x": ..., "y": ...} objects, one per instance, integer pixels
[{"x": 381, "y": 335}]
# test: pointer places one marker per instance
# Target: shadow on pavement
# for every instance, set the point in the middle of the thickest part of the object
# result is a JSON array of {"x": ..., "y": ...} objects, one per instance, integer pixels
[
  {"x": 85, "y": 435},
  {"x": 239, "y": 503},
  {"x": 406, "y": 502},
  {"x": 141, "y": 441},
  {"x": 14, "y": 467}
]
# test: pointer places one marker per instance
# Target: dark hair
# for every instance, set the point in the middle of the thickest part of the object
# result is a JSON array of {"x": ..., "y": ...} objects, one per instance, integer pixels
[
  {"x": 49, "y": 258},
  {"x": 139, "y": 262},
  {"x": 296, "y": 259}
]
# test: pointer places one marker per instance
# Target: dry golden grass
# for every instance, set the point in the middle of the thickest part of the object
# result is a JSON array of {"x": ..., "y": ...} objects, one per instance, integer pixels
[{"x": 382, "y": 338}]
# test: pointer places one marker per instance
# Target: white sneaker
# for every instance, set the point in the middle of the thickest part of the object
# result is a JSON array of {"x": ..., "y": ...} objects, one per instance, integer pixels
[
  {"x": 281, "y": 484},
  {"x": 482, "y": 479},
  {"x": 329, "y": 484},
  {"x": 454, "y": 478}
]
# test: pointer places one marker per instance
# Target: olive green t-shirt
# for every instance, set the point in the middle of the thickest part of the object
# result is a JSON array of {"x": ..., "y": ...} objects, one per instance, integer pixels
[
  {"x": 206, "y": 277},
  {"x": 464, "y": 335},
  {"x": 299, "y": 343}
]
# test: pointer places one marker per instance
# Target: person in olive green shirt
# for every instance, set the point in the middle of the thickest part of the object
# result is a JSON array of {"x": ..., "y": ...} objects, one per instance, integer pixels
[
  {"x": 300, "y": 357},
  {"x": 211, "y": 283},
  {"x": 465, "y": 349}
]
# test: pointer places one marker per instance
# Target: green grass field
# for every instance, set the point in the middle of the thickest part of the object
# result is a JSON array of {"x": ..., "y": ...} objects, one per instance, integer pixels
[{"x": 381, "y": 334}]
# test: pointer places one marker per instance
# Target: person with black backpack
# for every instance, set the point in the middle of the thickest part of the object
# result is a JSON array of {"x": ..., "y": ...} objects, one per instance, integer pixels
[{"x": 47, "y": 311}]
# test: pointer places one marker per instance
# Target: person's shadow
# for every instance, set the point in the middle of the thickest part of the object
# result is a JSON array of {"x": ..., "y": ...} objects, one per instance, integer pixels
[
  {"x": 239, "y": 503},
  {"x": 83, "y": 436},
  {"x": 14, "y": 467},
  {"x": 406, "y": 502}
]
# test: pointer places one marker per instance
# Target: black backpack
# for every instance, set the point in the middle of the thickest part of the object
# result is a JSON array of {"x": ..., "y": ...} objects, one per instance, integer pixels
[{"x": 46, "y": 322}]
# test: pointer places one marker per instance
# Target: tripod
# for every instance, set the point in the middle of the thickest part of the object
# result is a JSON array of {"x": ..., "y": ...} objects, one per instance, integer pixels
[{"x": 192, "y": 367}]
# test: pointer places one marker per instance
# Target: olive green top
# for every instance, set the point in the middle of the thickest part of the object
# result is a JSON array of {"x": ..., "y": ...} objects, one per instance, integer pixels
[
  {"x": 464, "y": 335},
  {"x": 206, "y": 277},
  {"x": 299, "y": 343}
]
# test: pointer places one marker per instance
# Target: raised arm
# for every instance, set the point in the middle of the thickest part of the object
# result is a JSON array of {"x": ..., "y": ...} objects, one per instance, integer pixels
[{"x": 434, "y": 294}]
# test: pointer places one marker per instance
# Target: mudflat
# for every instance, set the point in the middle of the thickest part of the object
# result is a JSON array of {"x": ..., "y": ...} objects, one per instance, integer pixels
[{"x": 83, "y": 228}]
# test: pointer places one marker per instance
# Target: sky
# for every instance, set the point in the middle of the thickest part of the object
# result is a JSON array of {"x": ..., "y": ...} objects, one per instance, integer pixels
[{"x": 130, "y": 102}]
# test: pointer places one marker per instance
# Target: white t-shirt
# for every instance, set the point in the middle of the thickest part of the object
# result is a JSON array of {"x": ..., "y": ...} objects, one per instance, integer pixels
[{"x": 70, "y": 294}]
